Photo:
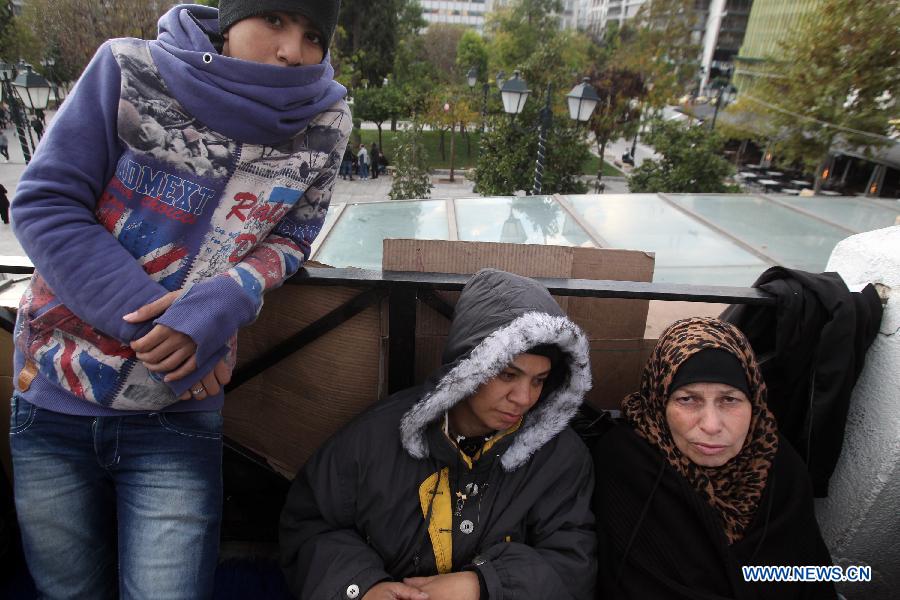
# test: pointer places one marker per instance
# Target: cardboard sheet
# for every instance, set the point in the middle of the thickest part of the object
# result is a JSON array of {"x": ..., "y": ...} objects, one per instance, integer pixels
[
  {"x": 287, "y": 411},
  {"x": 615, "y": 327}
]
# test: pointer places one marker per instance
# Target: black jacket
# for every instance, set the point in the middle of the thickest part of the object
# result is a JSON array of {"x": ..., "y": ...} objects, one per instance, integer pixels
[
  {"x": 379, "y": 500},
  {"x": 660, "y": 540},
  {"x": 811, "y": 350}
]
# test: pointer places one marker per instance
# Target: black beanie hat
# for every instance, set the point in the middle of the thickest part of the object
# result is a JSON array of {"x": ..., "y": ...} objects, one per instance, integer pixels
[
  {"x": 711, "y": 365},
  {"x": 322, "y": 13}
]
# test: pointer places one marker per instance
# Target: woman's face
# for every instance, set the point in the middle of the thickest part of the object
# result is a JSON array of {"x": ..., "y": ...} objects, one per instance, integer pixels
[
  {"x": 502, "y": 401},
  {"x": 709, "y": 422}
]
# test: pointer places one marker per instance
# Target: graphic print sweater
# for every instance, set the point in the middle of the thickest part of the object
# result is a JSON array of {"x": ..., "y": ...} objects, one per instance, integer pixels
[{"x": 170, "y": 167}]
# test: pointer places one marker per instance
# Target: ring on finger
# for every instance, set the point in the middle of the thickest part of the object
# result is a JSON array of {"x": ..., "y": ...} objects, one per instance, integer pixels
[{"x": 198, "y": 390}]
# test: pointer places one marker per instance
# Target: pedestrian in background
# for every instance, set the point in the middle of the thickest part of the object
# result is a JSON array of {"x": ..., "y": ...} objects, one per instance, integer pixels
[
  {"x": 362, "y": 158},
  {"x": 4, "y": 146},
  {"x": 382, "y": 162},
  {"x": 38, "y": 125},
  {"x": 347, "y": 164},
  {"x": 4, "y": 205},
  {"x": 373, "y": 157}
]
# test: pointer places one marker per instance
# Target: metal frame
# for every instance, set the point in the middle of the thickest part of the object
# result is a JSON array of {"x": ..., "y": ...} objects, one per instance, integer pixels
[{"x": 405, "y": 289}]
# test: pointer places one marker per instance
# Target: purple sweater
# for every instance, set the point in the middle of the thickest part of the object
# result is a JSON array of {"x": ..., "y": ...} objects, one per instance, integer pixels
[{"x": 169, "y": 167}]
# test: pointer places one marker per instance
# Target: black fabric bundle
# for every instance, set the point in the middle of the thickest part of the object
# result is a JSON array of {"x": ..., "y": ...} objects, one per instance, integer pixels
[{"x": 811, "y": 349}]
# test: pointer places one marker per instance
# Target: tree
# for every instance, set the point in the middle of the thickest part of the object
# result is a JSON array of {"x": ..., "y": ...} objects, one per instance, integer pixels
[
  {"x": 691, "y": 162},
  {"x": 7, "y": 30},
  {"x": 413, "y": 75},
  {"x": 517, "y": 30},
  {"x": 747, "y": 122},
  {"x": 509, "y": 151},
  {"x": 837, "y": 80},
  {"x": 76, "y": 28},
  {"x": 372, "y": 32},
  {"x": 659, "y": 46},
  {"x": 526, "y": 35},
  {"x": 449, "y": 108},
  {"x": 377, "y": 104},
  {"x": 471, "y": 52},
  {"x": 411, "y": 177},
  {"x": 616, "y": 114},
  {"x": 440, "y": 43}
]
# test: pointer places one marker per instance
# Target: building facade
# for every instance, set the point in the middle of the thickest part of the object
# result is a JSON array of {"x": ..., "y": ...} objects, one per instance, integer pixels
[
  {"x": 771, "y": 23},
  {"x": 725, "y": 25},
  {"x": 571, "y": 17},
  {"x": 719, "y": 29},
  {"x": 598, "y": 14},
  {"x": 472, "y": 13},
  {"x": 469, "y": 13}
]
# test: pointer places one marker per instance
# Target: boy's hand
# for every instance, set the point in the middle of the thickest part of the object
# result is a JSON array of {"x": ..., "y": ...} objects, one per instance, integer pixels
[
  {"x": 165, "y": 350},
  {"x": 154, "y": 309},
  {"x": 211, "y": 383},
  {"x": 393, "y": 590},
  {"x": 451, "y": 586}
]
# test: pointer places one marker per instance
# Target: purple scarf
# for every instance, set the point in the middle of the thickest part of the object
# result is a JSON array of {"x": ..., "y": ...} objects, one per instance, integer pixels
[{"x": 246, "y": 101}]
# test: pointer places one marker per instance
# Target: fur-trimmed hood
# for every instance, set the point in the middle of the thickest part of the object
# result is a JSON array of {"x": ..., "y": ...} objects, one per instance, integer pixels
[{"x": 498, "y": 316}]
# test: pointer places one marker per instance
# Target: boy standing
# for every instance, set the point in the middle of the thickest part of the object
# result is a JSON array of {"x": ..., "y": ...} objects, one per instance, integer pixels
[{"x": 212, "y": 158}]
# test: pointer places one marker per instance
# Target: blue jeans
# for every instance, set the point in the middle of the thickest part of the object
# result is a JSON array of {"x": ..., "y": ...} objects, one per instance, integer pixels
[
  {"x": 363, "y": 170},
  {"x": 118, "y": 506}
]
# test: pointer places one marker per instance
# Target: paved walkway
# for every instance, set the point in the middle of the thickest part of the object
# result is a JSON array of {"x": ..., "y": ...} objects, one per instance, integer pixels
[
  {"x": 615, "y": 150},
  {"x": 377, "y": 190}
]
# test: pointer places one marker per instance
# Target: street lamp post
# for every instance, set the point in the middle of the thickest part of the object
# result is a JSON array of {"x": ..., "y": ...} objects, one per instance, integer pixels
[
  {"x": 546, "y": 118},
  {"x": 472, "y": 77},
  {"x": 16, "y": 111},
  {"x": 725, "y": 93},
  {"x": 472, "y": 80},
  {"x": 723, "y": 97},
  {"x": 634, "y": 143},
  {"x": 34, "y": 90},
  {"x": 514, "y": 92},
  {"x": 582, "y": 101}
]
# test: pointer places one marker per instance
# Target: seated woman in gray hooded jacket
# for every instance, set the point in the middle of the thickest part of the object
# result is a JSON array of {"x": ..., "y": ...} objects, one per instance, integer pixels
[{"x": 470, "y": 486}]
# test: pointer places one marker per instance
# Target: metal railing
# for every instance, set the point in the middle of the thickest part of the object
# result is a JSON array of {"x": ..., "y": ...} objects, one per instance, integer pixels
[{"x": 404, "y": 289}]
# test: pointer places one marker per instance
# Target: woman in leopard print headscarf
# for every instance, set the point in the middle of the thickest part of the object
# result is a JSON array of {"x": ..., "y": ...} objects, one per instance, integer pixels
[
  {"x": 732, "y": 489},
  {"x": 695, "y": 482}
]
